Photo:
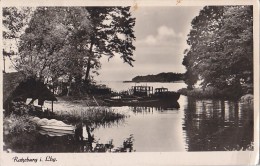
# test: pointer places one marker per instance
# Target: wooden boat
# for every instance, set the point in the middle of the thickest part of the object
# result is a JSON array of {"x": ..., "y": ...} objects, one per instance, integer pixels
[
  {"x": 143, "y": 103},
  {"x": 141, "y": 91},
  {"x": 129, "y": 102},
  {"x": 144, "y": 96},
  {"x": 55, "y": 134},
  {"x": 68, "y": 129},
  {"x": 159, "y": 93},
  {"x": 164, "y": 94}
]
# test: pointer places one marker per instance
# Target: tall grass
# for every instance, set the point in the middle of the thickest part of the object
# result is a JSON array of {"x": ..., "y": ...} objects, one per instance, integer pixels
[
  {"x": 88, "y": 115},
  {"x": 210, "y": 92}
]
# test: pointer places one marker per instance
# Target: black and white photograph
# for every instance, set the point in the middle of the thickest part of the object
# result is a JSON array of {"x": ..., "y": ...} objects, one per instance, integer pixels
[{"x": 128, "y": 79}]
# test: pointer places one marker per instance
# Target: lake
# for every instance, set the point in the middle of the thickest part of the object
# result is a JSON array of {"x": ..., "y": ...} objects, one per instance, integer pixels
[{"x": 197, "y": 125}]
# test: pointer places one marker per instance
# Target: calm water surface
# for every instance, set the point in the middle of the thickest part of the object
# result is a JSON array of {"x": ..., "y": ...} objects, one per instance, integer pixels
[{"x": 198, "y": 125}]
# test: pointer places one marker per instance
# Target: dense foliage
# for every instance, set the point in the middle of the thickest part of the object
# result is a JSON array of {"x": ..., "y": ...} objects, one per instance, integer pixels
[
  {"x": 68, "y": 42},
  {"x": 14, "y": 20},
  {"x": 221, "y": 49},
  {"x": 111, "y": 33},
  {"x": 161, "y": 77}
]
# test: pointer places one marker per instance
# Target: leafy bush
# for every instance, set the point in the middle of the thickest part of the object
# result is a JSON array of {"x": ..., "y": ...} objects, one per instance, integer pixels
[
  {"x": 21, "y": 108},
  {"x": 17, "y": 124}
]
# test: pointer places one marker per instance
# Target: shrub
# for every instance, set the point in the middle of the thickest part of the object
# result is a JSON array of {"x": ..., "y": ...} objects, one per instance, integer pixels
[
  {"x": 20, "y": 108},
  {"x": 17, "y": 124}
]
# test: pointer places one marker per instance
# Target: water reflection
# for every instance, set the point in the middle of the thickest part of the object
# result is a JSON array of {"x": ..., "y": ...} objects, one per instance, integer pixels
[
  {"x": 218, "y": 125},
  {"x": 198, "y": 125},
  {"x": 150, "y": 110},
  {"x": 155, "y": 130}
]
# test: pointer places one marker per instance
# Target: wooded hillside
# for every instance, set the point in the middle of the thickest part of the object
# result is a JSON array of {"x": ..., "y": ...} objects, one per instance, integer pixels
[{"x": 161, "y": 77}]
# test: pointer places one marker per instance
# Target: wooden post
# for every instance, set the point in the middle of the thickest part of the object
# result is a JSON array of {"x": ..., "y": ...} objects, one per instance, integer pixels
[
  {"x": 52, "y": 106},
  {"x": 4, "y": 62},
  {"x": 52, "y": 100}
]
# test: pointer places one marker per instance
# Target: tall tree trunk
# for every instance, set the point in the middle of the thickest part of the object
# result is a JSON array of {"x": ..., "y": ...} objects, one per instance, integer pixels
[
  {"x": 69, "y": 87},
  {"x": 89, "y": 61},
  {"x": 78, "y": 85},
  {"x": 4, "y": 63},
  {"x": 88, "y": 69}
]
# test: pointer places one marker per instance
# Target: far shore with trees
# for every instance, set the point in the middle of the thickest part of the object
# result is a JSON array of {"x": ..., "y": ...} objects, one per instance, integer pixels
[{"x": 161, "y": 77}]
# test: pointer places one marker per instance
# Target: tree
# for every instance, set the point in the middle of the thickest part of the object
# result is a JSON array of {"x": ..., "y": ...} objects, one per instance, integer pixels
[
  {"x": 190, "y": 76},
  {"x": 14, "y": 22},
  {"x": 221, "y": 47},
  {"x": 69, "y": 41},
  {"x": 200, "y": 40},
  {"x": 236, "y": 37},
  {"x": 45, "y": 38},
  {"x": 111, "y": 33}
]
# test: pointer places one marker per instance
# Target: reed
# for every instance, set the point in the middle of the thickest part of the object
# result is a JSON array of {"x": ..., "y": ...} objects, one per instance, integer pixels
[
  {"x": 88, "y": 115},
  {"x": 210, "y": 93}
]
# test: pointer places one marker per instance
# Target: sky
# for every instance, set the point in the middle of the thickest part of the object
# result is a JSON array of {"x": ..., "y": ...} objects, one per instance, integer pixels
[{"x": 161, "y": 34}]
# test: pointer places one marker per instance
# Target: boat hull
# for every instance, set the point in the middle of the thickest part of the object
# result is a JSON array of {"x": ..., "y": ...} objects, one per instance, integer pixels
[
  {"x": 55, "y": 133},
  {"x": 59, "y": 129},
  {"x": 145, "y": 103},
  {"x": 173, "y": 96}
]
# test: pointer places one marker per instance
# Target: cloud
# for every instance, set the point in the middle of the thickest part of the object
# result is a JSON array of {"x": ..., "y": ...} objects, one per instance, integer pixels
[
  {"x": 165, "y": 32},
  {"x": 151, "y": 40},
  {"x": 164, "y": 36}
]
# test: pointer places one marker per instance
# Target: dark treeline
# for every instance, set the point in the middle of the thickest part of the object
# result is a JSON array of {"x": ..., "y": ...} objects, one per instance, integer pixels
[
  {"x": 221, "y": 50},
  {"x": 161, "y": 77}
]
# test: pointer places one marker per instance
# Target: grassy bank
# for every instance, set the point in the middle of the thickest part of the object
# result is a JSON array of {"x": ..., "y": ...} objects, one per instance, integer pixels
[
  {"x": 211, "y": 93},
  {"x": 84, "y": 100},
  {"x": 86, "y": 115},
  {"x": 70, "y": 112},
  {"x": 20, "y": 132}
]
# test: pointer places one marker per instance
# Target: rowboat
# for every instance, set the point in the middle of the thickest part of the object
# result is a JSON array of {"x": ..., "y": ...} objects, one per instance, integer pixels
[
  {"x": 143, "y": 103},
  {"x": 164, "y": 94},
  {"x": 130, "y": 102},
  {"x": 143, "y": 96},
  {"x": 67, "y": 129},
  {"x": 54, "y": 134}
]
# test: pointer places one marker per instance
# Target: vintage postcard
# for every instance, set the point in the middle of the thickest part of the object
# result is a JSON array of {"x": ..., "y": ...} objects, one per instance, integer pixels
[{"x": 129, "y": 82}]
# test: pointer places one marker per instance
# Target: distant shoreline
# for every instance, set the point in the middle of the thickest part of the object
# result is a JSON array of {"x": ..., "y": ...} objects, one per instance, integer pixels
[
  {"x": 161, "y": 77},
  {"x": 180, "y": 81}
]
